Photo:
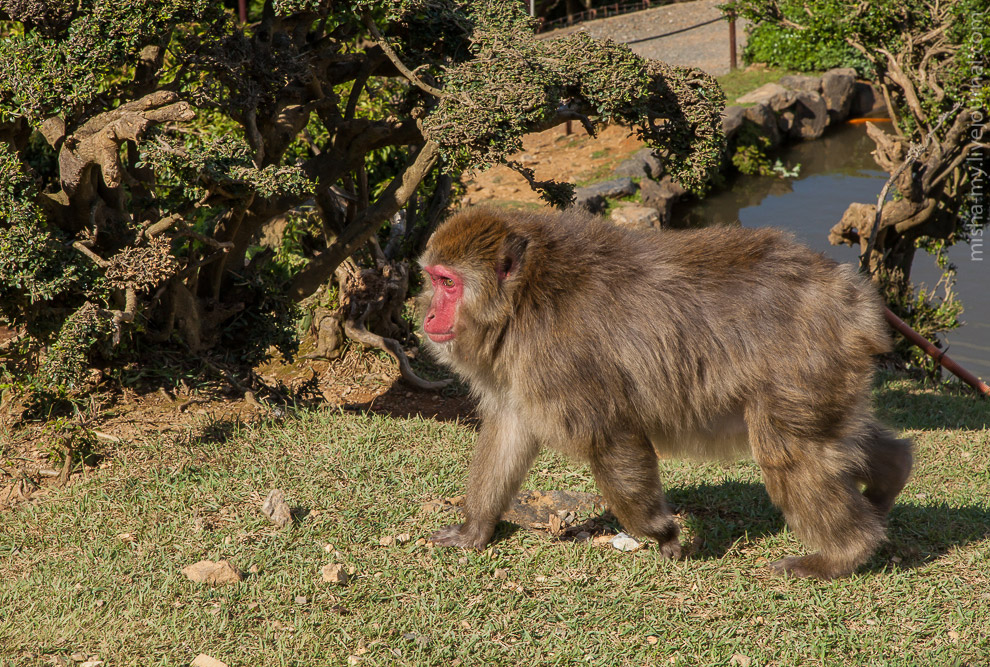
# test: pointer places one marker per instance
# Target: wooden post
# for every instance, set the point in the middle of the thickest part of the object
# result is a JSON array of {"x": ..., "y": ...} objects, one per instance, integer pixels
[
  {"x": 242, "y": 10},
  {"x": 732, "y": 42}
]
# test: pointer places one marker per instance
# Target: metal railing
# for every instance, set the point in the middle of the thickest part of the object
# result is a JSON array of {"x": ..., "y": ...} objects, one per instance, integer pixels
[{"x": 602, "y": 12}]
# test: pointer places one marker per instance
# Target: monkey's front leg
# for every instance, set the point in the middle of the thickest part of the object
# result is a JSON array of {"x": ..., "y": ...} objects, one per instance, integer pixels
[
  {"x": 501, "y": 460},
  {"x": 625, "y": 468}
]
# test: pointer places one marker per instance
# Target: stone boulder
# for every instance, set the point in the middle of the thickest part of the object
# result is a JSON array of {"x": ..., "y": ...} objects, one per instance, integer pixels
[
  {"x": 636, "y": 217},
  {"x": 806, "y": 118},
  {"x": 732, "y": 121},
  {"x": 641, "y": 164},
  {"x": 661, "y": 196},
  {"x": 837, "y": 90},
  {"x": 867, "y": 101},
  {"x": 802, "y": 83},
  {"x": 618, "y": 187},
  {"x": 589, "y": 201},
  {"x": 765, "y": 119},
  {"x": 592, "y": 197},
  {"x": 774, "y": 95}
]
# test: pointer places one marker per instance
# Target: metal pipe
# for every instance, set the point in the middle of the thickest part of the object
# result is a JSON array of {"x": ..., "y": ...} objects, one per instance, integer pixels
[{"x": 938, "y": 355}]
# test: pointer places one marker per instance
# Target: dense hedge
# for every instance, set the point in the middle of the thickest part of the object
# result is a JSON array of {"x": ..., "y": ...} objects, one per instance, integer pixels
[{"x": 784, "y": 47}]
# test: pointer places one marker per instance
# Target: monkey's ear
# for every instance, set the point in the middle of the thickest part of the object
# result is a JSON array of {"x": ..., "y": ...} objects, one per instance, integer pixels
[{"x": 510, "y": 259}]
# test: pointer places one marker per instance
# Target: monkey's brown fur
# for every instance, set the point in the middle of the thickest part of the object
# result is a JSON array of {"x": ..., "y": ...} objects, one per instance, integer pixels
[{"x": 613, "y": 345}]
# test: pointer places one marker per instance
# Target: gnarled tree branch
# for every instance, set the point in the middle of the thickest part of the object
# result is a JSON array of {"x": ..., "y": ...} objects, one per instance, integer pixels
[{"x": 367, "y": 223}]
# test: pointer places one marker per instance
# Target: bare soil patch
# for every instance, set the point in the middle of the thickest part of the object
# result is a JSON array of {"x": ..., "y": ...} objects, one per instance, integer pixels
[{"x": 553, "y": 154}]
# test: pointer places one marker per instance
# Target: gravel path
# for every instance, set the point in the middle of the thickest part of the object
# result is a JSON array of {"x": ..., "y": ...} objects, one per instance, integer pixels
[{"x": 706, "y": 47}]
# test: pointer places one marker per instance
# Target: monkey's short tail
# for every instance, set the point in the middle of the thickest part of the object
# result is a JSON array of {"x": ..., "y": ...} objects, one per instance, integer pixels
[{"x": 887, "y": 462}]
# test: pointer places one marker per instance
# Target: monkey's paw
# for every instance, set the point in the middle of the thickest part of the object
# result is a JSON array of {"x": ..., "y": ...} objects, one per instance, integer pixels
[
  {"x": 461, "y": 535},
  {"x": 671, "y": 550},
  {"x": 806, "y": 567}
]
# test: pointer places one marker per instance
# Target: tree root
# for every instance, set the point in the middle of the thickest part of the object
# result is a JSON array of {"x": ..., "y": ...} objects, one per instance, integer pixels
[{"x": 356, "y": 330}]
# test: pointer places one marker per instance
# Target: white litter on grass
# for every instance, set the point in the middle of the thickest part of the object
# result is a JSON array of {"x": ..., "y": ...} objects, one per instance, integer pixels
[{"x": 624, "y": 542}]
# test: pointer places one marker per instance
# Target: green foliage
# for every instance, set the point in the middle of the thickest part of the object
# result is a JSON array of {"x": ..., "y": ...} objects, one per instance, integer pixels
[
  {"x": 144, "y": 146},
  {"x": 35, "y": 265},
  {"x": 65, "y": 437},
  {"x": 929, "y": 59},
  {"x": 289, "y": 7},
  {"x": 783, "y": 47},
  {"x": 62, "y": 65},
  {"x": 751, "y": 159},
  {"x": 69, "y": 61},
  {"x": 268, "y": 320},
  {"x": 750, "y": 154},
  {"x": 814, "y": 36},
  {"x": 930, "y": 313},
  {"x": 222, "y": 162},
  {"x": 67, "y": 357},
  {"x": 971, "y": 29}
]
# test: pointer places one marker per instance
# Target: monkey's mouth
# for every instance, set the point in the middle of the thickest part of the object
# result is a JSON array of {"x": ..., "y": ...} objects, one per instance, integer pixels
[{"x": 442, "y": 337}]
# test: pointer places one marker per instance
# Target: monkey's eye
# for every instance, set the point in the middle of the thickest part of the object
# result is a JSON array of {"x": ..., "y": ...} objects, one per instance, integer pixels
[{"x": 447, "y": 282}]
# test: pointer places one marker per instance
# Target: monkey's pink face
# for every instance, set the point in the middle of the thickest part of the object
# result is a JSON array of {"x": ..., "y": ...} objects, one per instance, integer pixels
[{"x": 448, "y": 288}]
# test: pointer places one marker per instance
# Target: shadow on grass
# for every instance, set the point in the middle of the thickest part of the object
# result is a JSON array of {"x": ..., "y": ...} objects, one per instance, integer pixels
[
  {"x": 911, "y": 408},
  {"x": 721, "y": 514},
  {"x": 919, "y": 534},
  {"x": 402, "y": 401}
]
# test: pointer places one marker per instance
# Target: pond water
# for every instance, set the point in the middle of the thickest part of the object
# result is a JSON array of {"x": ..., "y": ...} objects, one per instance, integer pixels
[{"x": 836, "y": 171}]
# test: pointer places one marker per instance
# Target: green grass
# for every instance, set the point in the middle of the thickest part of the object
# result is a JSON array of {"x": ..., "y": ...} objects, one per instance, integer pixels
[
  {"x": 744, "y": 80},
  {"x": 602, "y": 172},
  {"x": 70, "y": 585}
]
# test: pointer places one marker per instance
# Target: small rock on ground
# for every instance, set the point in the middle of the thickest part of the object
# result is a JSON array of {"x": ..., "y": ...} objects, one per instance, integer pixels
[
  {"x": 208, "y": 572},
  {"x": 335, "y": 574},
  {"x": 636, "y": 217},
  {"x": 276, "y": 509}
]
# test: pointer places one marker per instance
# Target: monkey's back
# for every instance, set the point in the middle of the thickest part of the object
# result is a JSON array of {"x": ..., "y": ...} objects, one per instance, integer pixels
[{"x": 673, "y": 332}]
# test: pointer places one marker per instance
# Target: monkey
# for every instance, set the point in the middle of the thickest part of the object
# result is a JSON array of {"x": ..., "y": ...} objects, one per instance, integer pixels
[{"x": 614, "y": 346}]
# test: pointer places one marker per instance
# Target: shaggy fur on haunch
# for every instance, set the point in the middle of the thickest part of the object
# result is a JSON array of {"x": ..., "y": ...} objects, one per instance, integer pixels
[{"x": 614, "y": 345}]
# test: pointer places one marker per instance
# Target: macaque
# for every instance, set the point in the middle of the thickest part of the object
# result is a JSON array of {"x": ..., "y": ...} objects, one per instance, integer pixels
[{"x": 614, "y": 345}]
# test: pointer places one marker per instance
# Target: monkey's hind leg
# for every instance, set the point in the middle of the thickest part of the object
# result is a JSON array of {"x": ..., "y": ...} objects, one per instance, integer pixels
[
  {"x": 816, "y": 487},
  {"x": 626, "y": 470}
]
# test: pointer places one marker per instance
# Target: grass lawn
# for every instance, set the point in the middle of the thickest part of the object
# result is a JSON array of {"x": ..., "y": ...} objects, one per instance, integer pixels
[{"x": 94, "y": 571}]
